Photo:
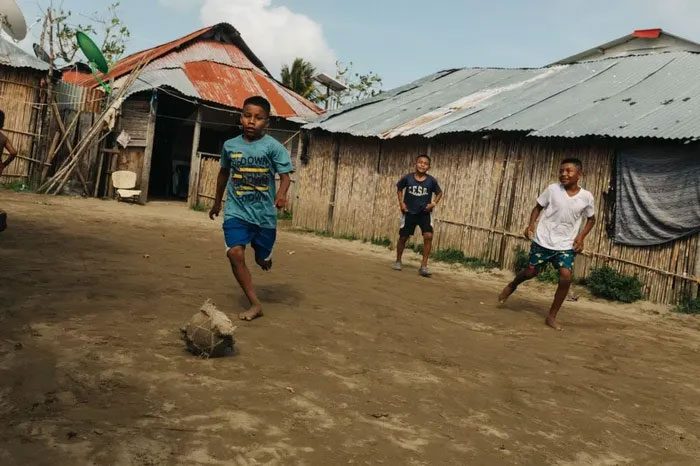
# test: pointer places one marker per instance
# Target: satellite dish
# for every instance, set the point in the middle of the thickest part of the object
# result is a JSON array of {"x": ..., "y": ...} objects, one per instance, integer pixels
[
  {"x": 41, "y": 53},
  {"x": 12, "y": 19},
  {"x": 95, "y": 58},
  {"x": 92, "y": 51}
]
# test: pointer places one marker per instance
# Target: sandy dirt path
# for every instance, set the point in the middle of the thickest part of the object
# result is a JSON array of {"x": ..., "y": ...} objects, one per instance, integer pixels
[{"x": 353, "y": 363}]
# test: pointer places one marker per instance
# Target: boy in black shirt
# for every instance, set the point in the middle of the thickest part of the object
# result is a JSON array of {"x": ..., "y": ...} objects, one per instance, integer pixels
[{"x": 415, "y": 193}]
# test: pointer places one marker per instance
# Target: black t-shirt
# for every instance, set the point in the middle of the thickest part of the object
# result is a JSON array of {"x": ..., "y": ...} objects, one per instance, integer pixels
[{"x": 418, "y": 194}]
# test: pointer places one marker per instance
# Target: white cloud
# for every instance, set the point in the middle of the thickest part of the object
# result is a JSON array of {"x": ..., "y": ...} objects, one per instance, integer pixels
[{"x": 276, "y": 34}]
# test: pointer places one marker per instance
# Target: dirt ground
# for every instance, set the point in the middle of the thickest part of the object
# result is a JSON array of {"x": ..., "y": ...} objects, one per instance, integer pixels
[{"x": 353, "y": 363}]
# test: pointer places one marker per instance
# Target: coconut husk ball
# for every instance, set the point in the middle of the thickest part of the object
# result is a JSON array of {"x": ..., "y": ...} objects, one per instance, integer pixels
[{"x": 209, "y": 333}]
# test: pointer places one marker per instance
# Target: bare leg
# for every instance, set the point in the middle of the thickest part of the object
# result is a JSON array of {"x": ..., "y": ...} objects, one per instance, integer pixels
[
  {"x": 236, "y": 256},
  {"x": 526, "y": 274},
  {"x": 559, "y": 297},
  {"x": 400, "y": 246},
  {"x": 427, "y": 246}
]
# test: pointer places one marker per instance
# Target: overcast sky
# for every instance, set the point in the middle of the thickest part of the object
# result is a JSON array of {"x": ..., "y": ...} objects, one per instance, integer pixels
[{"x": 400, "y": 40}]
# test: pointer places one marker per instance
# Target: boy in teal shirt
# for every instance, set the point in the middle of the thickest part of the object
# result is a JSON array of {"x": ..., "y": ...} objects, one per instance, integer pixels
[{"x": 249, "y": 164}]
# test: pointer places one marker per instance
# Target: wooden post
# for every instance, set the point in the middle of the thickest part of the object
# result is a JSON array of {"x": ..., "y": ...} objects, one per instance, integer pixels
[
  {"x": 334, "y": 185},
  {"x": 195, "y": 162},
  {"x": 148, "y": 153}
]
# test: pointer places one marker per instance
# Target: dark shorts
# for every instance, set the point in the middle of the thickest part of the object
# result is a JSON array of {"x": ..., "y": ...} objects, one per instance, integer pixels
[
  {"x": 539, "y": 257},
  {"x": 240, "y": 233},
  {"x": 410, "y": 221}
]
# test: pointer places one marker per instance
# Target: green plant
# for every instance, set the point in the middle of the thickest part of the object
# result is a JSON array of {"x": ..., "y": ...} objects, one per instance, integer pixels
[
  {"x": 199, "y": 207},
  {"x": 347, "y": 236},
  {"x": 16, "y": 186},
  {"x": 522, "y": 259},
  {"x": 284, "y": 215},
  {"x": 381, "y": 241},
  {"x": 688, "y": 305},
  {"x": 548, "y": 274},
  {"x": 417, "y": 247},
  {"x": 606, "y": 282},
  {"x": 455, "y": 256}
]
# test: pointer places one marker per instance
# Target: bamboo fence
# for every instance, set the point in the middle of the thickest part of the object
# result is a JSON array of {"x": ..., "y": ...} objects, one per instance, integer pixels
[
  {"x": 348, "y": 187},
  {"x": 20, "y": 100}
]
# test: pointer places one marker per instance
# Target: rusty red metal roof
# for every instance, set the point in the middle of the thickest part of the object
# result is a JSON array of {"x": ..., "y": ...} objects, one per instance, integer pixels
[{"x": 216, "y": 66}]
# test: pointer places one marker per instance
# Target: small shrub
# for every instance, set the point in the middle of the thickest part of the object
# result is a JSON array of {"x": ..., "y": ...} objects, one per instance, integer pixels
[
  {"x": 417, "y": 247},
  {"x": 347, "y": 236},
  {"x": 522, "y": 259},
  {"x": 199, "y": 207},
  {"x": 284, "y": 215},
  {"x": 455, "y": 256},
  {"x": 689, "y": 305},
  {"x": 16, "y": 186},
  {"x": 381, "y": 241},
  {"x": 606, "y": 282},
  {"x": 548, "y": 274}
]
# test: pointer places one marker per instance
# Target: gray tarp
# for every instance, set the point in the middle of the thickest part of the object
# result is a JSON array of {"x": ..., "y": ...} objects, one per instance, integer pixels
[{"x": 657, "y": 194}]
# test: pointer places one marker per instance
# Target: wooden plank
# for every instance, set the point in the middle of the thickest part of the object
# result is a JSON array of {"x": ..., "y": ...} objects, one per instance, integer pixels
[
  {"x": 148, "y": 154},
  {"x": 195, "y": 161}
]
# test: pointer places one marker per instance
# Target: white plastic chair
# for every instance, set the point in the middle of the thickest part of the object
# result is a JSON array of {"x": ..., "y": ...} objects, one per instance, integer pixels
[{"x": 124, "y": 182}]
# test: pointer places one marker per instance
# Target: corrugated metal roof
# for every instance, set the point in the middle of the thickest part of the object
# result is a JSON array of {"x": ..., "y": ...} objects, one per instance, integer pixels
[
  {"x": 656, "y": 95},
  {"x": 215, "y": 65},
  {"x": 11, "y": 55}
]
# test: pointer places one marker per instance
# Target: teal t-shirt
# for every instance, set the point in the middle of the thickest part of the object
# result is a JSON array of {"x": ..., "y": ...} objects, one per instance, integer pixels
[{"x": 250, "y": 192}]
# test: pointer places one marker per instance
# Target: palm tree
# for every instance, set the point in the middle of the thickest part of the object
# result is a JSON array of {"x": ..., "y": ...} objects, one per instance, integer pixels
[{"x": 299, "y": 78}]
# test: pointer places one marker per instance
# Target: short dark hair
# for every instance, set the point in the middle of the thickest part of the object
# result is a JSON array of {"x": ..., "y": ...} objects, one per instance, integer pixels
[
  {"x": 424, "y": 156},
  {"x": 259, "y": 101},
  {"x": 573, "y": 161},
  {"x": 2, "y": 119}
]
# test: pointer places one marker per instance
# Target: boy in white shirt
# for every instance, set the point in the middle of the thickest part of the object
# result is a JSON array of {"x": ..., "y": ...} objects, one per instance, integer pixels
[{"x": 557, "y": 238}]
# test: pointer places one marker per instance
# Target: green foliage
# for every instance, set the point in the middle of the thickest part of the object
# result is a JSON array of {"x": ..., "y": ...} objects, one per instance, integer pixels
[
  {"x": 359, "y": 86},
  {"x": 417, "y": 247},
  {"x": 606, "y": 282},
  {"x": 522, "y": 259},
  {"x": 199, "y": 207},
  {"x": 284, "y": 215},
  {"x": 59, "y": 33},
  {"x": 689, "y": 305},
  {"x": 16, "y": 186},
  {"x": 548, "y": 274},
  {"x": 381, "y": 241},
  {"x": 455, "y": 256},
  {"x": 300, "y": 78}
]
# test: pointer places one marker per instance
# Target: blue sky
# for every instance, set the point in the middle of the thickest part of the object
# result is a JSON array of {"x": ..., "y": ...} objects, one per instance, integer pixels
[{"x": 402, "y": 40}]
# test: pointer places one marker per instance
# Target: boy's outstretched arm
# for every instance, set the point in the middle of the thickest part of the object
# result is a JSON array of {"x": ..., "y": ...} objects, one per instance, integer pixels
[
  {"x": 221, "y": 181},
  {"x": 281, "y": 197},
  {"x": 534, "y": 215},
  {"x": 578, "y": 242}
]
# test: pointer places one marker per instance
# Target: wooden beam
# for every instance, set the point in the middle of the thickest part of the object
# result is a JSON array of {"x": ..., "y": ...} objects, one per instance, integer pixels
[
  {"x": 148, "y": 153},
  {"x": 195, "y": 162}
]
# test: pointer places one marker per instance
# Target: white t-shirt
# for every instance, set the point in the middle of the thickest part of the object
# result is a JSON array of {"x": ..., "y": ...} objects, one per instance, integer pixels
[{"x": 560, "y": 220}]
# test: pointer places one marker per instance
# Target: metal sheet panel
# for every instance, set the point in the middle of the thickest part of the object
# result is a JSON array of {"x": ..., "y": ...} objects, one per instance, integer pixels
[
  {"x": 655, "y": 95},
  {"x": 11, "y": 55}
]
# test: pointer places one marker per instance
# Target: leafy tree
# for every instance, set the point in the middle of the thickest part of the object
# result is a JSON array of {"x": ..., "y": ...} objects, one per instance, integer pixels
[
  {"x": 58, "y": 33},
  {"x": 360, "y": 86},
  {"x": 300, "y": 78}
]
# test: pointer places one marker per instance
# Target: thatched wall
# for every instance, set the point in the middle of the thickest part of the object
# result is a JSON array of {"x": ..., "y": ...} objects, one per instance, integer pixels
[
  {"x": 19, "y": 99},
  {"x": 347, "y": 187}
]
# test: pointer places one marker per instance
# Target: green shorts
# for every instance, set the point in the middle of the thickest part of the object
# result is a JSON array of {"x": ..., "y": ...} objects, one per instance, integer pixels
[{"x": 539, "y": 257}]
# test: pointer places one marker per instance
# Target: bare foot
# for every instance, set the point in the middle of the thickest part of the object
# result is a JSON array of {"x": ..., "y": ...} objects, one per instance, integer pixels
[
  {"x": 552, "y": 323},
  {"x": 266, "y": 265},
  {"x": 507, "y": 291},
  {"x": 254, "y": 312}
]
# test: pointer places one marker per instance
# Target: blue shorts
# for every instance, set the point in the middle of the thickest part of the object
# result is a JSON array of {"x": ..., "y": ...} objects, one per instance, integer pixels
[
  {"x": 540, "y": 256},
  {"x": 240, "y": 233}
]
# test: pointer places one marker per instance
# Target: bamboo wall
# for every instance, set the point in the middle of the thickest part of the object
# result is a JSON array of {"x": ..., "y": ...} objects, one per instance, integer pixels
[
  {"x": 19, "y": 99},
  {"x": 490, "y": 188}
]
